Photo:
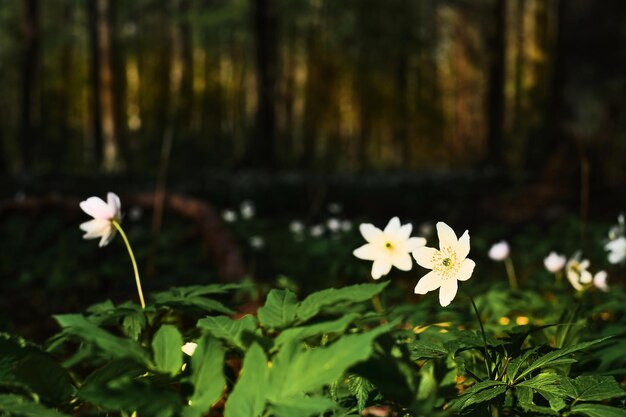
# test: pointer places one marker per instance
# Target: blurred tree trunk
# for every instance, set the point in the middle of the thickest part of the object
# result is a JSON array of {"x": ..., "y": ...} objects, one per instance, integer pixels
[
  {"x": 30, "y": 63},
  {"x": 186, "y": 93},
  {"x": 401, "y": 132},
  {"x": 495, "y": 95},
  {"x": 310, "y": 122},
  {"x": 119, "y": 85},
  {"x": 520, "y": 14},
  {"x": 262, "y": 150},
  {"x": 104, "y": 128}
]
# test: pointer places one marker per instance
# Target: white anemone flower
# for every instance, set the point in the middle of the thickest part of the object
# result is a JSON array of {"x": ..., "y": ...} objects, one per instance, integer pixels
[
  {"x": 296, "y": 227},
  {"x": 103, "y": 214},
  {"x": 500, "y": 251},
  {"x": 229, "y": 216},
  {"x": 333, "y": 224},
  {"x": 346, "y": 225},
  {"x": 449, "y": 264},
  {"x": 189, "y": 348},
  {"x": 554, "y": 262},
  {"x": 389, "y": 247},
  {"x": 617, "y": 250},
  {"x": 599, "y": 281},
  {"x": 316, "y": 230},
  {"x": 247, "y": 210},
  {"x": 577, "y": 273}
]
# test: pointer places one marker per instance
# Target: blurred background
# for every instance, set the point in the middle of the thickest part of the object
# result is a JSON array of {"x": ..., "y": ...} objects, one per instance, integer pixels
[{"x": 504, "y": 114}]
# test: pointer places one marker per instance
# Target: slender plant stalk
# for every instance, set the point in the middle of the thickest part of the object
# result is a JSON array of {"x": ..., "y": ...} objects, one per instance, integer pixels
[
  {"x": 132, "y": 259},
  {"x": 378, "y": 305},
  {"x": 510, "y": 273},
  {"x": 482, "y": 330}
]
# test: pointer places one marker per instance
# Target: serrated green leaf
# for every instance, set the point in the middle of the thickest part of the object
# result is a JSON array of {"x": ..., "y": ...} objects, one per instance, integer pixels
[
  {"x": 550, "y": 358},
  {"x": 112, "y": 346},
  {"x": 133, "y": 325},
  {"x": 547, "y": 383},
  {"x": 598, "y": 410},
  {"x": 116, "y": 369},
  {"x": 166, "y": 347},
  {"x": 516, "y": 364},
  {"x": 279, "y": 309},
  {"x": 326, "y": 327},
  {"x": 302, "y": 407},
  {"x": 248, "y": 396},
  {"x": 594, "y": 388},
  {"x": 191, "y": 302},
  {"x": 361, "y": 389},
  {"x": 480, "y": 392},
  {"x": 227, "y": 329},
  {"x": 314, "y": 303},
  {"x": 427, "y": 350},
  {"x": 207, "y": 373},
  {"x": 321, "y": 365},
  {"x": 21, "y": 407},
  {"x": 45, "y": 377}
]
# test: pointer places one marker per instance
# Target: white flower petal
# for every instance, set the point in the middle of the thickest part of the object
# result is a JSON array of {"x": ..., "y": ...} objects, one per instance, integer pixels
[
  {"x": 429, "y": 282},
  {"x": 414, "y": 243},
  {"x": 189, "y": 348},
  {"x": 463, "y": 247},
  {"x": 447, "y": 237},
  {"x": 114, "y": 202},
  {"x": 585, "y": 277},
  {"x": 425, "y": 256},
  {"x": 370, "y": 232},
  {"x": 380, "y": 267},
  {"x": 106, "y": 238},
  {"x": 95, "y": 228},
  {"x": 367, "y": 252},
  {"x": 405, "y": 231},
  {"x": 466, "y": 269},
  {"x": 393, "y": 226},
  {"x": 403, "y": 262},
  {"x": 447, "y": 292},
  {"x": 97, "y": 208}
]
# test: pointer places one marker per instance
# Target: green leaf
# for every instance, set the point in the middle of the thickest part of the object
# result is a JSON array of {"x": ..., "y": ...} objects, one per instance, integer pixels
[
  {"x": 114, "y": 370},
  {"x": 133, "y": 324},
  {"x": 193, "y": 303},
  {"x": 227, "y": 329},
  {"x": 46, "y": 377},
  {"x": 556, "y": 357},
  {"x": 22, "y": 407},
  {"x": 598, "y": 410},
  {"x": 248, "y": 397},
  {"x": 321, "y": 365},
  {"x": 546, "y": 383},
  {"x": 315, "y": 302},
  {"x": 302, "y": 407},
  {"x": 166, "y": 346},
  {"x": 126, "y": 394},
  {"x": 279, "y": 309},
  {"x": 300, "y": 333},
  {"x": 361, "y": 389},
  {"x": 112, "y": 346},
  {"x": 481, "y": 392},
  {"x": 207, "y": 373},
  {"x": 594, "y": 388},
  {"x": 519, "y": 362},
  {"x": 427, "y": 350}
]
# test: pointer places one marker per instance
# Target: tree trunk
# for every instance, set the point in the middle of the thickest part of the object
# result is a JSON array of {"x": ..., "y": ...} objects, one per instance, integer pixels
[
  {"x": 30, "y": 63},
  {"x": 495, "y": 95},
  {"x": 96, "y": 103},
  {"x": 263, "y": 143},
  {"x": 186, "y": 99}
]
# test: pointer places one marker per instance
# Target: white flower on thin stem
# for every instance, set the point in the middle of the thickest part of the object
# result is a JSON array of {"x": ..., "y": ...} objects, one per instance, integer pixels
[
  {"x": 103, "y": 214},
  {"x": 617, "y": 250},
  {"x": 389, "y": 247},
  {"x": 317, "y": 230},
  {"x": 333, "y": 224},
  {"x": 229, "y": 216},
  {"x": 500, "y": 251},
  {"x": 449, "y": 264},
  {"x": 577, "y": 273},
  {"x": 599, "y": 281},
  {"x": 554, "y": 262},
  {"x": 296, "y": 227},
  {"x": 247, "y": 210},
  {"x": 189, "y": 348}
]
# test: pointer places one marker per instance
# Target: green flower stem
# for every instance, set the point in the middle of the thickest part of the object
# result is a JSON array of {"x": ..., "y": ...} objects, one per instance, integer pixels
[
  {"x": 482, "y": 330},
  {"x": 510, "y": 272},
  {"x": 132, "y": 259},
  {"x": 378, "y": 305}
]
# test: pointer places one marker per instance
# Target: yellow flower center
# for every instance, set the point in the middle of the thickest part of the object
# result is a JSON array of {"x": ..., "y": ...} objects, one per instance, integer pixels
[{"x": 446, "y": 263}]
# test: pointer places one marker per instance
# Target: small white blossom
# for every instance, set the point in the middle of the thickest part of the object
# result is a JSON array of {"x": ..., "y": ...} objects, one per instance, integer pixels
[
  {"x": 500, "y": 251},
  {"x": 577, "y": 273},
  {"x": 617, "y": 250},
  {"x": 316, "y": 230},
  {"x": 346, "y": 225},
  {"x": 103, "y": 214},
  {"x": 333, "y": 224},
  {"x": 449, "y": 264},
  {"x": 247, "y": 210},
  {"x": 189, "y": 348},
  {"x": 599, "y": 281},
  {"x": 554, "y": 262},
  {"x": 257, "y": 242},
  {"x": 296, "y": 227},
  {"x": 389, "y": 247},
  {"x": 229, "y": 216}
]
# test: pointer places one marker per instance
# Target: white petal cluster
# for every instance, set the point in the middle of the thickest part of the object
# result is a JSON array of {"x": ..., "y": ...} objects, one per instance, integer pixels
[
  {"x": 616, "y": 246},
  {"x": 103, "y": 213},
  {"x": 189, "y": 348},
  {"x": 500, "y": 251},
  {"x": 554, "y": 262},
  {"x": 389, "y": 247},
  {"x": 449, "y": 264}
]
